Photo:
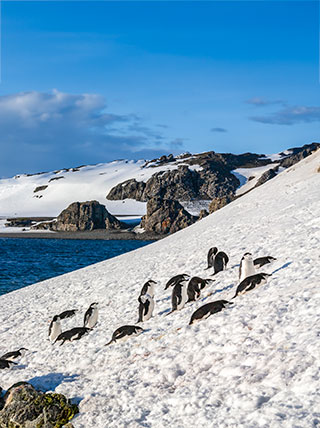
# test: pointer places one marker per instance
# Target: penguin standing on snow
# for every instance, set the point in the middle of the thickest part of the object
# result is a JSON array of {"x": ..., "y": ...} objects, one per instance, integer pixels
[
  {"x": 73, "y": 334},
  {"x": 55, "y": 328},
  {"x": 146, "y": 306},
  {"x": 179, "y": 295},
  {"x": 261, "y": 261},
  {"x": 148, "y": 288},
  {"x": 217, "y": 259},
  {"x": 246, "y": 267},
  {"x": 176, "y": 279},
  {"x": 91, "y": 316},
  {"x": 251, "y": 282},
  {"x": 125, "y": 331},
  {"x": 195, "y": 286},
  {"x": 13, "y": 355},
  {"x": 208, "y": 309}
]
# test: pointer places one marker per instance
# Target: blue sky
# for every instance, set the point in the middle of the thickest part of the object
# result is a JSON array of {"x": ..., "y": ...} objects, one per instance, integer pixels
[{"x": 87, "y": 82}]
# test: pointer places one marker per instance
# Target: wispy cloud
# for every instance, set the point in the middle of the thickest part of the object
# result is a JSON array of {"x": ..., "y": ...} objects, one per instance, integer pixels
[
  {"x": 58, "y": 129},
  {"x": 261, "y": 102},
  {"x": 290, "y": 116},
  {"x": 218, "y": 130}
]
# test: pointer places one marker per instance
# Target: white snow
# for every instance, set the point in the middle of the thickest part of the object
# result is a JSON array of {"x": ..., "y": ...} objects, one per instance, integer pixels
[
  {"x": 243, "y": 175},
  {"x": 91, "y": 182},
  {"x": 256, "y": 364}
]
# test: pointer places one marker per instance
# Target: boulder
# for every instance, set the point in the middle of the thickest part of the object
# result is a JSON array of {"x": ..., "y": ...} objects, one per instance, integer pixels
[
  {"x": 220, "y": 202},
  {"x": 266, "y": 176},
  {"x": 203, "y": 213},
  {"x": 166, "y": 216},
  {"x": 24, "y": 407}
]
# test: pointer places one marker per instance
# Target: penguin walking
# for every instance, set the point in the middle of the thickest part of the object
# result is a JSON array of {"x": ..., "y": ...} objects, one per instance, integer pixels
[
  {"x": 148, "y": 288},
  {"x": 261, "y": 261},
  {"x": 73, "y": 334},
  {"x": 14, "y": 355},
  {"x": 179, "y": 296},
  {"x": 246, "y": 267},
  {"x": 208, "y": 309},
  {"x": 68, "y": 314},
  {"x": 91, "y": 315},
  {"x": 55, "y": 328},
  {"x": 251, "y": 282},
  {"x": 217, "y": 259},
  {"x": 195, "y": 286},
  {"x": 124, "y": 332},
  {"x": 146, "y": 307},
  {"x": 5, "y": 364},
  {"x": 176, "y": 279}
]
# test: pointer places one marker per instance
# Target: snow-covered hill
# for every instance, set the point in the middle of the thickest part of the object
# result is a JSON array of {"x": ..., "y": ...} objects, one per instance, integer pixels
[{"x": 256, "y": 364}]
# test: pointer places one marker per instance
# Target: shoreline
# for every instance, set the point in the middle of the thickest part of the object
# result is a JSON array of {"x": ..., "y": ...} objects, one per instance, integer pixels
[{"x": 98, "y": 234}]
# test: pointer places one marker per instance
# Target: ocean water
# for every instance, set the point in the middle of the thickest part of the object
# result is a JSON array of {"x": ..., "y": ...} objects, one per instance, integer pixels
[{"x": 26, "y": 261}]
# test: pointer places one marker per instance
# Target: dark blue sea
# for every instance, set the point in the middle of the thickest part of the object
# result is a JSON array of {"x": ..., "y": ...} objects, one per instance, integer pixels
[{"x": 26, "y": 261}]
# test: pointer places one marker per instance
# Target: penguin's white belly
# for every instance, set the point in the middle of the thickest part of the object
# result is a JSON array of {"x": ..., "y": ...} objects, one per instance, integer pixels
[
  {"x": 184, "y": 296},
  {"x": 55, "y": 331},
  {"x": 247, "y": 270},
  {"x": 92, "y": 321}
]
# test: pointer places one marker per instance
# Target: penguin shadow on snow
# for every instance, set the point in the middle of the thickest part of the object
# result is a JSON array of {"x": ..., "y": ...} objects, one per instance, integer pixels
[
  {"x": 51, "y": 381},
  {"x": 282, "y": 267}
]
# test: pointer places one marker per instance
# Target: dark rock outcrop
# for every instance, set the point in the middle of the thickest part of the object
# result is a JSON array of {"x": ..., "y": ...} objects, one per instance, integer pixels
[
  {"x": 203, "y": 213},
  {"x": 25, "y": 221},
  {"x": 131, "y": 189},
  {"x": 24, "y": 407},
  {"x": 296, "y": 154},
  {"x": 82, "y": 216},
  {"x": 166, "y": 216},
  {"x": 266, "y": 176},
  {"x": 220, "y": 202},
  {"x": 40, "y": 189}
]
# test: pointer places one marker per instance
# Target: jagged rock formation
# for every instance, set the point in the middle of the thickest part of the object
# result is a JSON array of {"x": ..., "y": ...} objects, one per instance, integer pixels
[
  {"x": 203, "y": 214},
  {"x": 220, "y": 202},
  {"x": 166, "y": 216},
  {"x": 81, "y": 216},
  {"x": 24, "y": 407},
  {"x": 266, "y": 176}
]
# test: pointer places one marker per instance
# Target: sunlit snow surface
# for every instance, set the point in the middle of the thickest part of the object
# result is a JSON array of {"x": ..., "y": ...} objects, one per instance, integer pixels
[{"x": 255, "y": 364}]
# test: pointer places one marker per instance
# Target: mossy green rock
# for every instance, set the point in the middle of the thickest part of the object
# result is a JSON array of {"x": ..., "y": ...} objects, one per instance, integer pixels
[{"x": 24, "y": 407}]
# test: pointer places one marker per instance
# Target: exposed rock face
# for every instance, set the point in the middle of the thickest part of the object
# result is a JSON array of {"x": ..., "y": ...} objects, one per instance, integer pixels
[
  {"x": 24, "y": 407},
  {"x": 166, "y": 216},
  {"x": 220, "y": 202},
  {"x": 131, "y": 189},
  {"x": 81, "y": 216},
  {"x": 203, "y": 214},
  {"x": 266, "y": 176},
  {"x": 40, "y": 188},
  {"x": 299, "y": 153}
]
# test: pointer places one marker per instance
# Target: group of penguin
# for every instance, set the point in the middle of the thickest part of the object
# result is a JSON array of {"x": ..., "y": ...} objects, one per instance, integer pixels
[{"x": 184, "y": 290}]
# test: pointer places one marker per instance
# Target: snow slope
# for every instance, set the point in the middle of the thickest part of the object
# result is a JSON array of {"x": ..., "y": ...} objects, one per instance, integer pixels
[
  {"x": 256, "y": 364},
  {"x": 90, "y": 182}
]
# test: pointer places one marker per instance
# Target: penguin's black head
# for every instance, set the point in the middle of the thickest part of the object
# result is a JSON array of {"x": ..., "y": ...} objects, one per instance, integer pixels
[
  {"x": 214, "y": 250},
  {"x": 94, "y": 305},
  {"x": 56, "y": 318},
  {"x": 23, "y": 349},
  {"x": 151, "y": 281}
]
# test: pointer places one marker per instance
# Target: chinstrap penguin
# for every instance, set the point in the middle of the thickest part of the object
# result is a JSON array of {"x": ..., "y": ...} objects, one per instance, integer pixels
[
  {"x": 251, "y": 282},
  {"x": 91, "y": 316},
  {"x": 148, "y": 288},
  {"x": 176, "y": 279},
  {"x": 208, "y": 309},
  {"x": 217, "y": 259},
  {"x": 195, "y": 286},
  {"x": 13, "y": 355},
  {"x": 73, "y": 334},
  {"x": 261, "y": 261},
  {"x": 68, "y": 314},
  {"x": 179, "y": 296},
  {"x": 55, "y": 328},
  {"x": 146, "y": 307},
  {"x": 125, "y": 331},
  {"x": 246, "y": 267},
  {"x": 5, "y": 364}
]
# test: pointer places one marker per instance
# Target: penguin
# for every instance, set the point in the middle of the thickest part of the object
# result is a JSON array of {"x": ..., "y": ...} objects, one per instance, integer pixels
[
  {"x": 67, "y": 314},
  {"x": 124, "y": 332},
  {"x": 5, "y": 364},
  {"x": 246, "y": 267},
  {"x": 261, "y": 261},
  {"x": 195, "y": 286},
  {"x": 211, "y": 256},
  {"x": 73, "y": 334},
  {"x": 176, "y": 279},
  {"x": 55, "y": 328},
  {"x": 208, "y": 309},
  {"x": 148, "y": 288},
  {"x": 251, "y": 282},
  {"x": 217, "y": 260},
  {"x": 146, "y": 306},
  {"x": 91, "y": 316},
  {"x": 179, "y": 296},
  {"x": 13, "y": 355}
]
